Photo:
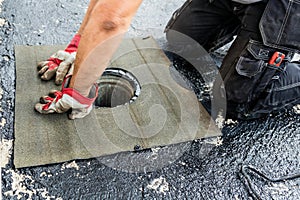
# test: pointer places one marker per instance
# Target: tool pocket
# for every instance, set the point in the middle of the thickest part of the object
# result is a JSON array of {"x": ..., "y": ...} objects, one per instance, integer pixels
[
  {"x": 280, "y": 24},
  {"x": 251, "y": 74},
  {"x": 282, "y": 92},
  {"x": 285, "y": 88}
]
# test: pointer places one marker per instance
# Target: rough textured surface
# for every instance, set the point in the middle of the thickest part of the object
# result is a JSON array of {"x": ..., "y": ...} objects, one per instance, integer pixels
[
  {"x": 48, "y": 139},
  {"x": 202, "y": 172}
]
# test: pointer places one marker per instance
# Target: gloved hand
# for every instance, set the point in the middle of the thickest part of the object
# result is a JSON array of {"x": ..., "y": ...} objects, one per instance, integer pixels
[
  {"x": 66, "y": 99},
  {"x": 60, "y": 62}
]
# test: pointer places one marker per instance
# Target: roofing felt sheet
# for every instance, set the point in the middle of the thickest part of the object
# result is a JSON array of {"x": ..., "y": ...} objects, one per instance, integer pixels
[{"x": 165, "y": 113}]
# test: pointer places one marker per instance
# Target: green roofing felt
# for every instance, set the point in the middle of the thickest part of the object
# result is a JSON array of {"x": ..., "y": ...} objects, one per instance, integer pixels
[{"x": 165, "y": 113}]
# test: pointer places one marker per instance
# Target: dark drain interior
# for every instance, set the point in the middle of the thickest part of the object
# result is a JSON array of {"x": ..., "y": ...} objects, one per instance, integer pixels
[{"x": 117, "y": 87}]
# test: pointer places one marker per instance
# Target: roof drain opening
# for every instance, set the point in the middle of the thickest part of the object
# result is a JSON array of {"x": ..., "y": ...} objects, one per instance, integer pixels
[{"x": 117, "y": 87}]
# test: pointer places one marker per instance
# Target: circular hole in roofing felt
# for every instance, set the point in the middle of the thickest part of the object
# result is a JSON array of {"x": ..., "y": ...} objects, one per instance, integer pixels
[{"x": 117, "y": 87}]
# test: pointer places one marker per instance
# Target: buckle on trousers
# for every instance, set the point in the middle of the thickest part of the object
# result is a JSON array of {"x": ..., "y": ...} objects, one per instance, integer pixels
[
  {"x": 295, "y": 57},
  {"x": 277, "y": 59}
]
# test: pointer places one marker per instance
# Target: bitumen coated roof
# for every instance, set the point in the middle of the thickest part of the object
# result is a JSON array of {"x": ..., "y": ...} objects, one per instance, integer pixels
[{"x": 258, "y": 159}]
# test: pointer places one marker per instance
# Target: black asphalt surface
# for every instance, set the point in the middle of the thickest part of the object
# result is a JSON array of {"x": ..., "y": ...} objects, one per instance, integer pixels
[{"x": 257, "y": 159}]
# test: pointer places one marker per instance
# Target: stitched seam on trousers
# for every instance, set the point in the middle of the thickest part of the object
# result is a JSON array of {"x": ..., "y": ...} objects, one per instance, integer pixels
[
  {"x": 285, "y": 87},
  {"x": 284, "y": 22},
  {"x": 261, "y": 27}
]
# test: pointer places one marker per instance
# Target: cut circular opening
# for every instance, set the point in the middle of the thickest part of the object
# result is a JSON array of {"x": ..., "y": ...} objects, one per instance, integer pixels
[{"x": 117, "y": 87}]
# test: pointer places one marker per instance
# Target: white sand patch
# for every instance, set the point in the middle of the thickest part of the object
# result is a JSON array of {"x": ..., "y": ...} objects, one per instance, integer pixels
[
  {"x": 19, "y": 189},
  {"x": 1, "y": 93},
  {"x": 160, "y": 185},
  {"x": 220, "y": 121},
  {"x": 231, "y": 122},
  {"x": 297, "y": 109},
  {"x": 45, "y": 194},
  {"x": 2, "y": 122},
  {"x": 182, "y": 163},
  {"x": 70, "y": 165},
  {"x": 155, "y": 152},
  {"x": 1, "y": 1},
  {"x": 6, "y": 58},
  {"x": 6, "y": 151},
  {"x": 2, "y": 21},
  {"x": 45, "y": 174},
  {"x": 217, "y": 141}
]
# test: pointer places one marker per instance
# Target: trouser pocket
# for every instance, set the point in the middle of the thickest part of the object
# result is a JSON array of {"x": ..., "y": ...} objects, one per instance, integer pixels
[
  {"x": 250, "y": 75},
  {"x": 283, "y": 90},
  {"x": 280, "y": 24}
]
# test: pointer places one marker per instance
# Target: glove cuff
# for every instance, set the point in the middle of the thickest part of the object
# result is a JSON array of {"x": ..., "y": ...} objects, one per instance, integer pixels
[
  {"x": 72, "y": 47},
  {"x": 80, "y": 98},
  {"x": 77, "y": 96}
]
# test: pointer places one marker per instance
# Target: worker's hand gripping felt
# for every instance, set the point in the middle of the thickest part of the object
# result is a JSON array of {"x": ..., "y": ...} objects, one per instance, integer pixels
[
  {"x": 67, "y": 99},
  {"x": 61, "y": 63},
  {"x": 100, "y": 34}
]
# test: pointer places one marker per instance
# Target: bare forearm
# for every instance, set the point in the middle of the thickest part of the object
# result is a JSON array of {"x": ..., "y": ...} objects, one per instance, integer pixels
[
  {"x": 105, "y": 26},
  {"x": 86, "y": 17}
]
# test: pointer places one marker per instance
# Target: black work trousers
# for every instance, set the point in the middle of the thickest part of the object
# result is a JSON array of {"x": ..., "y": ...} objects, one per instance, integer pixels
[{"x": 252, "y": 86}]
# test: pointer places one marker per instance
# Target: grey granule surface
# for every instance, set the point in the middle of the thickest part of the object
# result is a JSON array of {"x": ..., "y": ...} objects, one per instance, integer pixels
[{"x": 258, "y": 159}]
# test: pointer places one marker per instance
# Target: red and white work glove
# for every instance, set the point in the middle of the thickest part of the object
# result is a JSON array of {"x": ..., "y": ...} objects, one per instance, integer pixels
[
  {"x": 60, "y": 63},
  {"x": 66, "y": 99}
]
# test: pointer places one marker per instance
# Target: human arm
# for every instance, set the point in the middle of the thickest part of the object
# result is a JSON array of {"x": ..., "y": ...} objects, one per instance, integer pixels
[
  {"x": 104, "y": 30},
  {"x": 105, "y": 25}
]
